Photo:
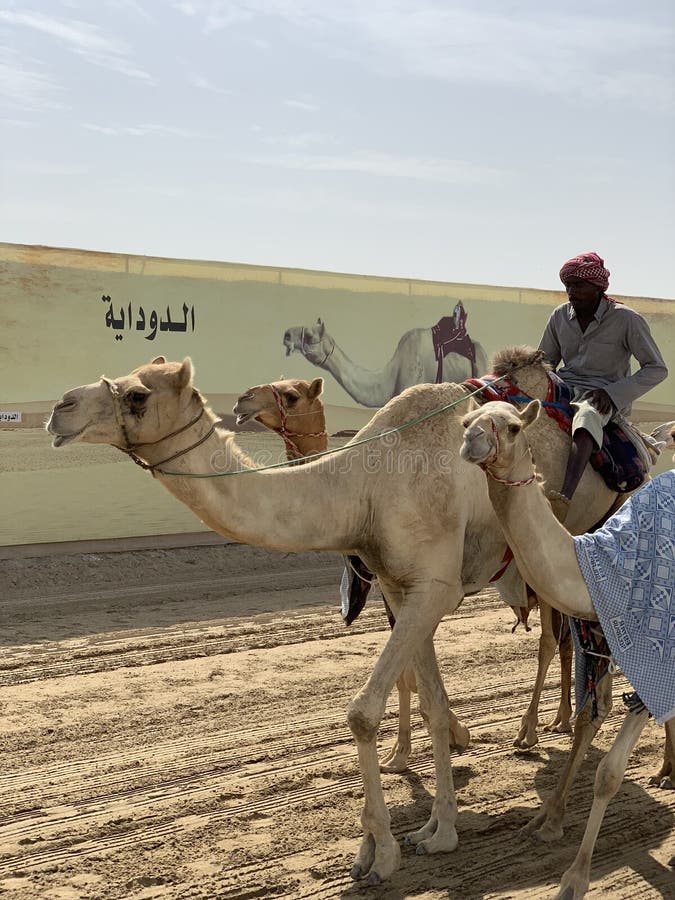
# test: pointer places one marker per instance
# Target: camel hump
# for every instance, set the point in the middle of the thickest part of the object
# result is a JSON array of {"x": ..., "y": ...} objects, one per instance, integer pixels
[{"x": 505, "y": 361}]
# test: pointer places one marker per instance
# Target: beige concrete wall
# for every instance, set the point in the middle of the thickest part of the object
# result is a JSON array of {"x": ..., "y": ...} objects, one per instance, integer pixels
[{"x": 54, "y": 335}]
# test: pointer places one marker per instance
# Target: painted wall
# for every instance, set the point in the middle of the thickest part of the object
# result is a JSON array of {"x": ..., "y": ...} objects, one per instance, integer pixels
[{"x": 68, "y": 316}]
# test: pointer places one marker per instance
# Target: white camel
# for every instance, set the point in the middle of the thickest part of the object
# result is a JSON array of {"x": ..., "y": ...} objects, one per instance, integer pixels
[
  {"x": 410, "y": 507},
  {"x": 414, "y": 362},
  {"x": 495, "y": 438}
]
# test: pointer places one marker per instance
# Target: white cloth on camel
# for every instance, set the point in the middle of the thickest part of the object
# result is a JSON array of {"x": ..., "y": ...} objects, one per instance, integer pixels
[{"x": 629, "y": 568}]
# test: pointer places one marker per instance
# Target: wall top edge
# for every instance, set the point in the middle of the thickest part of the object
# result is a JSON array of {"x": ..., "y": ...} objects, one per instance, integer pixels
[{"x": 134, "y": 264}]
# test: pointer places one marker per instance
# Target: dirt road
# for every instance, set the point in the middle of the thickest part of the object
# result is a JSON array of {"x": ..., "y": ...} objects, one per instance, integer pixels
[{"x": 173, "y": 726}]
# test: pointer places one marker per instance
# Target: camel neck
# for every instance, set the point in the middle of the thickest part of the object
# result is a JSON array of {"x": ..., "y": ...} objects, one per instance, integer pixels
[
  {"x": 372, "y": 388},
  {"x": 543, "y": 548},
  {"x": 294, "y": 508}
]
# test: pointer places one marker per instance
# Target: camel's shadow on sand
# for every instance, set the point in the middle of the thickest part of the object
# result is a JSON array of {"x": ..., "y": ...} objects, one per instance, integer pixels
[{"x": 493, "y": 857}]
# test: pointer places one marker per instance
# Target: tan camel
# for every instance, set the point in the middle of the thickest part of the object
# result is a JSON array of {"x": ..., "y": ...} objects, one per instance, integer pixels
[
  {"x": 409, "y": 506},
  {"x": 495, "y": 438},
  {"x": 293, "y": 409},
  {"x": 274, "y": 405},
  {"x": 414, "y": 362}
]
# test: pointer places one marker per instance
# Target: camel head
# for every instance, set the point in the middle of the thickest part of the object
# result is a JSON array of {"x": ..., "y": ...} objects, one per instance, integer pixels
[
  {"x": 525, "y": 367},
  {"x": 151, "y": 402},
  {"x": 494, "y": 435},
  {"x": 311, "y": 340},
  {"x": 297, "y": 398}
]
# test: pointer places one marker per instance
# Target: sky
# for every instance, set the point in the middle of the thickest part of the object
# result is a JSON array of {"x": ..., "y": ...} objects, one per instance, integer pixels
[{"x": 481, "y": 141}]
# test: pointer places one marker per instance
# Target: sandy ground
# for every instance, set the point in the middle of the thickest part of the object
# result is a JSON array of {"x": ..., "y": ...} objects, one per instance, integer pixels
[{"x": 173, "y": 726}]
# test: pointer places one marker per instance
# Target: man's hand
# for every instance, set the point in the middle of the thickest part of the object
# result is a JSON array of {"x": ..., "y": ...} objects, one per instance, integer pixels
[{"x": 601, "y": 400}]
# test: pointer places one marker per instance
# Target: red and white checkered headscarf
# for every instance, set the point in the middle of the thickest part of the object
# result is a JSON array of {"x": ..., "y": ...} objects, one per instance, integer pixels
[{"x": 588, "y": 266}]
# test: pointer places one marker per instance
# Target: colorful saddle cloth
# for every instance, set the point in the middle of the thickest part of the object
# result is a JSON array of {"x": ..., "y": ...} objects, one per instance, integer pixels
[
  {"x": 621, "y": 462},
  {"x": 629, "y": 568}
]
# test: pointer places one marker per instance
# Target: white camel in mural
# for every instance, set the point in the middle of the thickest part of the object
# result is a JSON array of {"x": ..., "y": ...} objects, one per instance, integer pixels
[{"x": 414, "y": 362}]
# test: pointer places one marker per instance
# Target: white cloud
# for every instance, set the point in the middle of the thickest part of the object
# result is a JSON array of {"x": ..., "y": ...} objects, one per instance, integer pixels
[
  {"x": 24, "y": 84},
  {"x": 448, "y": 171},
  {"x": 39, "y": 167},
  {"x": 299, "y": 141},
  {"x": 81, "y": 38},
  {"x": 140, "y": 130},
  {"x": 205, "y": 84},
  {"x": 301, "y": 104},
  {"x": 544, "y": 48}
]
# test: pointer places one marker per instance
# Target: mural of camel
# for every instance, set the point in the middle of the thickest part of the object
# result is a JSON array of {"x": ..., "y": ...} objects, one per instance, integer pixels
[
  {"x": 495, "y": 439},
  {"x": 416, "y": 529},
  {"x": 415, "y": 361}
]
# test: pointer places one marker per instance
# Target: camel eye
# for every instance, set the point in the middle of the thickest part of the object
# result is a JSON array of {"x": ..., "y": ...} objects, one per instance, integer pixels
[
  {"x": 291, "y": 399},
  {"x": 514, "y": 429},
  {"x": 137, "y": 398}
]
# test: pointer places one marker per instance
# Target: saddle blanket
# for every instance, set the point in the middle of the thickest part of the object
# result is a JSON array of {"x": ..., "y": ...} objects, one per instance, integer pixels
[{"x": 629, "y": 568}]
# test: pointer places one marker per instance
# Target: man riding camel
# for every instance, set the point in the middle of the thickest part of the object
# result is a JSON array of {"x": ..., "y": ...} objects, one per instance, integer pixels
[{"x": 594, "y": 337}]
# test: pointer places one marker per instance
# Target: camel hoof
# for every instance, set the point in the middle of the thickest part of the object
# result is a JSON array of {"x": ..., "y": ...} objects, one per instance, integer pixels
[
  {"x": 460, "y": 739},
  {"x": 373, "y": 879},
  {"x": 393, "y": 768},
  {"x": 558, "y": 728},
  {"x": 421, "y": 850},
  {"x": 666, "y": 784},
  {"x": 356, "y": 873},
  {"x": 546, "y": 834},
  {"x": 396, "y": 761}
]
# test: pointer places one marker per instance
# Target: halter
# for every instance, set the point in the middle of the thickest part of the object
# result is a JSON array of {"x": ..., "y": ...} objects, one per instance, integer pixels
[
  {"x": 485, "y": 465},
  {"x": 283, "y": 431},
  {"x": 130, "y": 447},
  {"x": 304, "y": 343}
]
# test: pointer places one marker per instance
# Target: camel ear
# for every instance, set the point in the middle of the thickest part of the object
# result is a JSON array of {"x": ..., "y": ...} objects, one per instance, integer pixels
[
  {"x": 315, "y": 388},
  {"x": 184, "y": 374},
  {"x": 530, "y": 413},
  {"x": 158, "y": 360},
  {"x": 322, "y": 327}
]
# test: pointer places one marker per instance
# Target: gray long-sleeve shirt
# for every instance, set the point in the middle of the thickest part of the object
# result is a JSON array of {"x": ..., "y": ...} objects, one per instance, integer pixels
[{"x": 600, "y": 356}]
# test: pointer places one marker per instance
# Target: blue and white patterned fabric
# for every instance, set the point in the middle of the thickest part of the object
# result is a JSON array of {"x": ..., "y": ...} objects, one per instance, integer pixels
[{"x": 629, "y": 568}]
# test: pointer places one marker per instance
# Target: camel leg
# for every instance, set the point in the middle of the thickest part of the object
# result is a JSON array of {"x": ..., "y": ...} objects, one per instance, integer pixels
[
  {"x": 561, "y": 722},
  {"x": 439, "y": 834},
  {"x": 527, "y": 736},
  {"x": 547, "y": 824},
  {"x": 416, "y": 620},
  {"x": 608, "y": 780},
  {"x": 397, "y": 758},
  {"x": 665, "y": 777}
]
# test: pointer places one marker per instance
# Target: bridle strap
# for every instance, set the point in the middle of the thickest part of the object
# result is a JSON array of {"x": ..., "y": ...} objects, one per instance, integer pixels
[
  {"x": 305, "y": 343},
  {"x": 130, "y": 447},
  {"x": 485, "y": 465},
  {"x": 283, "y": 431},
  {"x": 488, "y": 471}
]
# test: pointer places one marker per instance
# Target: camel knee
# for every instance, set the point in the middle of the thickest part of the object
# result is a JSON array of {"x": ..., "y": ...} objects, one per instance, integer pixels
[
  {"x": 434, "y": 706},
  {"x": 364, "y": 716},
  {"x": 547, "y": 647},
  {"x": 608, "y": 777}
]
